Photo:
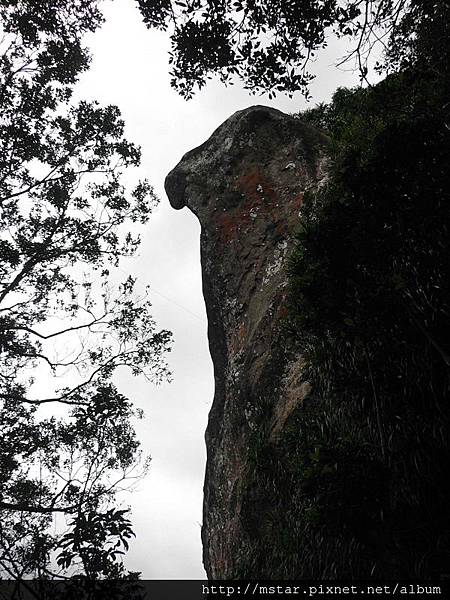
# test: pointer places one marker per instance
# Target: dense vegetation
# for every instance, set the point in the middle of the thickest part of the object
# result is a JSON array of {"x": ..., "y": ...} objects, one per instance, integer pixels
[{"x": 368, "y": 460}]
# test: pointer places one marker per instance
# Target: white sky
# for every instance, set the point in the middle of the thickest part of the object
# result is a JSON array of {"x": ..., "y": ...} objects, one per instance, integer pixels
[{"x": 130, "y": 69}]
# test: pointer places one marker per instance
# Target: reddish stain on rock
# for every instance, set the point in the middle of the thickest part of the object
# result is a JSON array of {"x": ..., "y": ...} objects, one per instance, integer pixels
[
  {"x": 256, "y": 188},
  {"x": 298, "y": 200},
  {"x": 229, "y": 224},
  {"x": 259, "y": 200}
]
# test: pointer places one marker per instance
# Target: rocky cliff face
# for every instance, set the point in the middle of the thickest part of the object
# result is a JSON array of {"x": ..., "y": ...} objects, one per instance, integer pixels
[{"x": 246, "y": 185}]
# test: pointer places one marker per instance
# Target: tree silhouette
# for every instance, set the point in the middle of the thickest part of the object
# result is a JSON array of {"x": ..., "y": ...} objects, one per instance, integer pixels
[
  {"x": 64, "y": 209},
  {"x": 269, "y": 44}
]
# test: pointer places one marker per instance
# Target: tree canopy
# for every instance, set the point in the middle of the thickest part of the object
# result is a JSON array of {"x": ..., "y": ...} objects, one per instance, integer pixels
[{"x": 270, "y": 44}]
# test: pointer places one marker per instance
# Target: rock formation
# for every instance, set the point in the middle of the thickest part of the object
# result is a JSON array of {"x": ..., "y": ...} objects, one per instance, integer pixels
[{"x": 245, "y": 184}]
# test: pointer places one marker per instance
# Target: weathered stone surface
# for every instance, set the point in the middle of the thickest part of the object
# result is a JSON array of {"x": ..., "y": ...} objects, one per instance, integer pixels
[{"x": 246, "y": 185}]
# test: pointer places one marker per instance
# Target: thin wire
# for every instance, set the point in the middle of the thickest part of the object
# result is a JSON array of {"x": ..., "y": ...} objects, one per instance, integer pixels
[
  {"x": 152, "y": 289},
  {"x": 174, "y": 302}
]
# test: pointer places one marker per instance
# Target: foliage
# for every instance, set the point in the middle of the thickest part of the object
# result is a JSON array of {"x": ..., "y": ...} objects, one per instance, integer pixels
[
  {"x": 370, "y": 311},
  {"x": 268, "y": 44},
  {"x": 63, "y": 209}
]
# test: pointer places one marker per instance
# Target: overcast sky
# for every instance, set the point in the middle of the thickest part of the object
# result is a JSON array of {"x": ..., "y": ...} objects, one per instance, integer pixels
[{"x": 130, "y": 69}]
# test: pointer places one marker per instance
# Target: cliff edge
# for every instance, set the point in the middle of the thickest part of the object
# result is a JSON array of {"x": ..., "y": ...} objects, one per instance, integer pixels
[{"x": 246, "y": 184}]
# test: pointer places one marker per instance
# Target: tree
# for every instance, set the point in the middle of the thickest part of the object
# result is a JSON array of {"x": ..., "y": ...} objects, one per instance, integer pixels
[
  {"x": 269, "y": 44},
  {"x": 63, "y": 213}
]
